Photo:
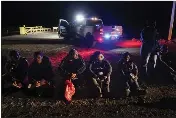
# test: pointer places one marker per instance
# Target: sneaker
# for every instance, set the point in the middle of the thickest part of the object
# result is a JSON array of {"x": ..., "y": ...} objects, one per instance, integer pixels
[
  {"x": 127, "y": 92},
  {"x": 100, "y": 95}
]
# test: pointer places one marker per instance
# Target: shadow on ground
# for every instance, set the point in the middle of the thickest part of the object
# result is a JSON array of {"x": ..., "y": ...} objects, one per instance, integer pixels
[{"x": 164, "y": 103}]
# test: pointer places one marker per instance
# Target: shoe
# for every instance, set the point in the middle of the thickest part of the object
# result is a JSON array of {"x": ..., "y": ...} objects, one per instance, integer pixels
[
  {"x": 127, "y": 92},
  {"x": 100, "y": 95}
]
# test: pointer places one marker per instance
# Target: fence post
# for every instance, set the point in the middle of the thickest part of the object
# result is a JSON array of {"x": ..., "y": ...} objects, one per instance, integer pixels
[{"x": 22, "y": 30}]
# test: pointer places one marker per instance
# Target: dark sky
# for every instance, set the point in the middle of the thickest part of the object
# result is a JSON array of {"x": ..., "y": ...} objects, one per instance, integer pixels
[{"x": 131, "y": 15}]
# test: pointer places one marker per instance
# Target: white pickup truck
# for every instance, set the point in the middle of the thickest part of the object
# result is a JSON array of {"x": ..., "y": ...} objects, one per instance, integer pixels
[{"x": 90, "y": 26}]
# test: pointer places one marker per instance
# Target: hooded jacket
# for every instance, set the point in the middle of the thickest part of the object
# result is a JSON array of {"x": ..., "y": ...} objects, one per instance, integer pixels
[
  {"x": 41, "y": 71},
  {"x": 17, "y": 69},
  {"x": 70, "y": 65},
  {"x": 96, "y": 66},
  {"x": 149, "y": 37}
]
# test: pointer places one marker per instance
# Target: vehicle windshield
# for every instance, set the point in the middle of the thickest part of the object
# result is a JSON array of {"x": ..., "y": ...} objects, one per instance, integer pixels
[{"x": 94, "y": 22}]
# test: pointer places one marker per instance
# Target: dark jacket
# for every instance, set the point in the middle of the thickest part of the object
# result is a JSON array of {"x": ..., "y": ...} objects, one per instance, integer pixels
[
  {"x": 41, "y": 71},
  {"x": 17, "y": 70},
  {"x": 95, "y": 67},
  {"x": 69, "y": 66},
  {"x": 149, "y": 37},
  {"x": 127, "y": 67}
]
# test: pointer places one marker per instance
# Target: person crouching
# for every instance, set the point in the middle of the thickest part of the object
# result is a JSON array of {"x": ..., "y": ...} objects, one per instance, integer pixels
[
  {"x": 71, "y": 67},
  {"x": 15, "y": 73},
  {"x": 40, "y": 75},
  {"x": 129, "y": 74},
  {"x": 100, "y": 70}
]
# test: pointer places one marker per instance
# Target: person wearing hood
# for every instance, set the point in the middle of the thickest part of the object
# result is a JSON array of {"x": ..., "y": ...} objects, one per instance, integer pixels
[
  {"x": 148, "y": 51},
  {"x": 129, "y": 74},
  {"x": 15, "y": 73},
  {"x": 72, "y": 66},
  {"x": 100, "y": 71},
  {"x": 40, "y": 74}
]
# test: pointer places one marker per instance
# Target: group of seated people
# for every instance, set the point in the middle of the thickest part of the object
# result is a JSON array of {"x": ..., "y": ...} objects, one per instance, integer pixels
[{"x": 37, "y": 78}]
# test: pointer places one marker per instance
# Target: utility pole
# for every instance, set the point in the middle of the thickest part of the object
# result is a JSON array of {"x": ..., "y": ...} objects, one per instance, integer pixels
[{"x": 172, "y": 21}]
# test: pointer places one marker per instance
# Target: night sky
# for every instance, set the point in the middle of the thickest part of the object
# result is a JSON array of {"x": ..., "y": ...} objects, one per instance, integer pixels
[{"x": 131, "y": 15}]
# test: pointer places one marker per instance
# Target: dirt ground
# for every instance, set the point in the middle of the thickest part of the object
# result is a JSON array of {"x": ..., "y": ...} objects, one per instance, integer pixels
[{"x": 159, "y": 101}]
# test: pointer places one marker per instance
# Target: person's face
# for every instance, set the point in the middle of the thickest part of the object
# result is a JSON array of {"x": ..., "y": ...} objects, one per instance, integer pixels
[
  {"x": 100, "y": 57},
  {"x": 39, "y": 59},
  {"x": 128, "y": 58},
  {"x": 75, "y": 56},
  {"x": 15, "y": 58}
]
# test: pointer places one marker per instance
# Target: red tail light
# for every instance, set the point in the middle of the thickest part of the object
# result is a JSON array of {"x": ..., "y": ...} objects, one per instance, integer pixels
[
  {"x": 101, "y": 31},
  {"x": 100, "y": 39}
]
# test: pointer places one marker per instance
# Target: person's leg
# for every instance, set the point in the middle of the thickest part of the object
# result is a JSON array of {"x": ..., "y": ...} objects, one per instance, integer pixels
[
  {"x": 6, "y": 84},
  {"x": 155, "y": 61},
  {"x": 135, "y": 88},
  {"x": 134, "y": 85},
  {"x": 127, "y": 88},
  {"x": 97, "y": 86},
  {"x": 105, "y": 88},
  {"x": 152, "y": 65},
  {"x": 59, "y": 87},
  {"x": 144, "y": 69}
]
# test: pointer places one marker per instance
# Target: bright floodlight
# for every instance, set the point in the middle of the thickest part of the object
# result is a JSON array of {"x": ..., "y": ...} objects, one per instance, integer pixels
[
  {"x": 79, "y": 18},
  {"x": 107, "y": 36}
]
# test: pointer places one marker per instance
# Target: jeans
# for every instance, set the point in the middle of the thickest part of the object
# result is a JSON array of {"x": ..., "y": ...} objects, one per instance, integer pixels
[
  {"x": 132, "y": 85},
  {"x": 101, "y": 86}
]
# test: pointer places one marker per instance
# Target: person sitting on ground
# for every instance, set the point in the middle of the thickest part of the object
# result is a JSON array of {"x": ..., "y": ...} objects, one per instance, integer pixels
[
  {"x": 129, "y": 74},
  {"x": 40, "y": 75},
  {"x": 16, "y": 70},
  {"x": 72, "y": 67},
  {"x": 100, "y": 70}
]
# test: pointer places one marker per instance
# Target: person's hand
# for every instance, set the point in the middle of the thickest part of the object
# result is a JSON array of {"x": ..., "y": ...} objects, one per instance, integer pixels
[
  {"x": 100, "y": 73},
  {"x": 105, "y": 77},
  {"x": 73, "y": 75},
  {"x": 132, "y": 75},
  {"x": 38, "y": 84},
  {"x": 14, "y": 84},
  {"x": 18, "y": 85},
  {"x": 30, "y": 85}
]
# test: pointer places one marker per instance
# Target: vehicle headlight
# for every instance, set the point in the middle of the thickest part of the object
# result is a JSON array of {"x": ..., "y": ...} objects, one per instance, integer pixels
[{"x": 107, "y": 36}]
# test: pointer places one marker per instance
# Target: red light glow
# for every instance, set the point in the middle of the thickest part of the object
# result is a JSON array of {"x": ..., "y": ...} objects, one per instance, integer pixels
[{"x": 100, "y": 40}]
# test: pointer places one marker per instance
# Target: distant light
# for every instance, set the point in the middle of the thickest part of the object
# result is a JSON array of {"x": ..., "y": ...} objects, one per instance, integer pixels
[
  {"x": 107, "y": 36},
  {"x": 115, "y": 35},
  {"x": 79, "y": 18},
  {"x": 94, "y": 18},
  {"x": 117, "y": 29},
  {"x": 97, "y": 25},
  {"x": 100, "y": 39}
]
